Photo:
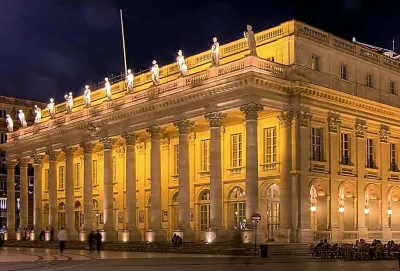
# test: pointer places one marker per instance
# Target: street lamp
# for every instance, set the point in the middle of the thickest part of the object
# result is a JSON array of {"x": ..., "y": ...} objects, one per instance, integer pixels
[
  {"x": 313, "y": 208},
  {"x": 341, "y": 209},
  {"x": 366, "y": 210},
  {"x": 389, "y": 211}
]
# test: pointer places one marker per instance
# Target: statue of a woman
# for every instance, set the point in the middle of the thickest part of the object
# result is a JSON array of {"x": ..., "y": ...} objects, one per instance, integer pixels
[
  {"x": 21, "y": 117},
  {"x": 10, "y": 124},
  {"x": 215, "y": 52},
  {"x": 86, "y": 96},
  {"x": 180, "y": 59},
  {"x": 38, "y": 114},
  {"x": 251, "y": 40},
  {"x": 70, "y": 102},
  {"x": 155, "y": 73},
  {"x": 107, "y": 87},
  {"x": 51, "y": 108},
  {"x": 129, "y": 81}
]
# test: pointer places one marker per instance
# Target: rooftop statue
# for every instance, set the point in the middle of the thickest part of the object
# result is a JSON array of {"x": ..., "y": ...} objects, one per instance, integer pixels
[
  {"x": 107, "y": 88},
  {"x": 38, "y": 114},
  {"x": 70, "y": 102},
  {"x": 51, "y": 108},
  {"x": 10, "y": 124},
  {"x": 129, "y": 81},
  {"x": 180, "y": 59},
  {"x": 251, "y": 40},
  {"x": 86, "y": 96},
  {"x": 155, "y": 73},
  {"x": 21, "y": 117},
  {"x": 215, "y": 52}
]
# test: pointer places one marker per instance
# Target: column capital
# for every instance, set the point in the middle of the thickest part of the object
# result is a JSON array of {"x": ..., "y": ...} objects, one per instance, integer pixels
[
  {"x": 107, "y": 143},
  {"x": 285, "y": 118},
  {"x": 52, "y": 154},
  {"x": 155, "y": 132},
  {"x": 141, "y": 147},
  {"x": 23, "y": 162},
  {"x": 69, "y": 151},
  {"x": 11, "y": 164},
  {"x": 360, "y": 130},
  {"x": 251, "y": 110},
  {"x": 384, "y": 135},
  {"x": 333, "y": 124},
  {"x": 215, "y": 118},
  {"x": 87, "y": 147},
  {"x": 37, "y": 159},
  {"x": 164, "y": 142},
  {"x": 304, "y": 118},
  {"x": 130, "y": 138},
  {"x": 184, "y": 126}
]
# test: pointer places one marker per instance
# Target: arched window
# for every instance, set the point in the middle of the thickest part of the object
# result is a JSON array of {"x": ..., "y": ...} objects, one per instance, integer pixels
[
  {"x": 175, "y": 211},
  {"x": 78, "y": 216},
  {"x": 61, "y": 215},
  {"x": 237, "y": 208},
  {"x": 204, "y": 200}
]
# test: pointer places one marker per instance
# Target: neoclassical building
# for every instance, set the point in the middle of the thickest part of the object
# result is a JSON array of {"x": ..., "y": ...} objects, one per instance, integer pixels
[{"x": 306, "y": 134}]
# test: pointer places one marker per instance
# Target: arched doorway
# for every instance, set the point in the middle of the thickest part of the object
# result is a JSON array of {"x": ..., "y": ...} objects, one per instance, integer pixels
[
  {"x": 61, "y": 215},
  {"x": 96, "y": 214},
  {"x": 273, "y": 211},
  {"x": 204, "y": 210},
  {"x": 78, "y": 216},
  {"x": 319, "y": 206},
  {"x": 45, "y": 220},
  {"x": 237, "y": 208},
  {"x": 393, "y": 211},
  {"x": 372, "y": 209},
  {"x": 174, "y": 207},
  {"x": 347, "y": 206}
]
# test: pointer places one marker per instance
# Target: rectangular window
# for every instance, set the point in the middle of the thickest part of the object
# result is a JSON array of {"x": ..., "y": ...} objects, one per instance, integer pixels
[
  {"x": 236, "y": 150},
  {"x": 343, "y": 71},
  {"x": 46, "y": 179},
  {"x": 94, "y": 172},
  {"x": 114, "y": 168},
  {"x": 315, "y": 63},
  {"x": 370, "y": 153},
  {"x": 61, "y": 177},
  {"x": 393, "y": 164},
  {"x": 345, "y": 148},
  {"x": 316, "y": 144},
  {"x": 205, "y": 155},
  {"x": 204, "y": 217},
  {"x": 77, "y": 174},
  {"x": 3, "y": 137},
  {"x": 3, "y": 113},
  {"x": 392, "y": 88},
  {"x": 176, "y": 159},
  {"x": 369, "y": 80},
  {"x": 271, "y": 152}
]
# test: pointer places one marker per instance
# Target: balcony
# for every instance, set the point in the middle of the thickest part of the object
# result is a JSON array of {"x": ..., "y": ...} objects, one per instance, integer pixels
[
  {"x": 372, "y": 173},
  {"x": 347, "y": 170},
  {"x": 394, "y": 175},
  {"x": 270, "y": 166},
  {"x": 204, "y": 174}
]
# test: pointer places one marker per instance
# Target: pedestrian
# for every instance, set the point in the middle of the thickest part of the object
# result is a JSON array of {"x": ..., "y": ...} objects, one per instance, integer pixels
[
  {"x": 52, "y": 234},
  {"x": 62, "y": 237},
  {"x": 98, "y": 238},
  {"x": 91, "y": 242},
  {"x": 1, "y": 240}
]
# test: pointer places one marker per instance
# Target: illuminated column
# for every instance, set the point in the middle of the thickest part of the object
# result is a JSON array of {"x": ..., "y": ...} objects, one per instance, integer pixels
[
  {"x": 286, "y": 226},
  {"x": 11, "y": 199},
  {"x": 37, "y": 195},
  {"x": 215, "y": 119},
  {"x": 23, "y": 192},
  {"x": 87, "y": 186},
  {"x": 130, "y": 185},
  {"x": 109, "y": 223},
  {"x": 385, "y": 166},
  {"x": 69, "y": 191},
  {"x": 361, "y": 163},
  {"x": 155, "y": 209},
  {"x": 52, "y": 189},
  {"x": 184, "y": 127},
  {"x": 251, "y": 111}
]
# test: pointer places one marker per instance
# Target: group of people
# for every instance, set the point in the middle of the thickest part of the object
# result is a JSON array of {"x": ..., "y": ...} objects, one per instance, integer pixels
[{"x": 176, "y": 240}]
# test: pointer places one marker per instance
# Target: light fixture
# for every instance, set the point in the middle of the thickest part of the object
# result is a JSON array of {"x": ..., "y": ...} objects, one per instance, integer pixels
[
  {"x": 366, "y": 210},
  {"x": 390, "y": 212},
  {"x": 313, "y": 208},
  {"x": 341, "y": 209}
]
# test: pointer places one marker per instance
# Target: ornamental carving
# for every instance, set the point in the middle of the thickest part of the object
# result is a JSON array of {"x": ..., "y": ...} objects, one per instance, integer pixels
[
  {"x": 251, "y": 110},
  {"x": 360, "y": 130},
  {"x": 155, "y": 132},
  {"x": 130, "y": 138},
  {"x": 120, "y": 151},
  {"x": 94, "y": 130},
  {"x": 333, "y": 124},
  {"x": 141, "y": 147},
  {"x": 184, "y": 126},
  {"x": 23, "y": 162},
  {"x": 69, "y": 151},
  {"x": 37, "y": 159},
  {"x": 304, "y": 118},
  {"x": 87, "y": 147},
  {"x": 384, "y": 135},
  {"x": 52, "y": 155},
  {"x": 11, "y": 165},
  {"x": 107, "y": 143},
  {"x": 215, "y": 118},
  {"x": 285, "y": 118},
  {"x": 164, "y": 142},
  {"x": 192, "y": 138}
]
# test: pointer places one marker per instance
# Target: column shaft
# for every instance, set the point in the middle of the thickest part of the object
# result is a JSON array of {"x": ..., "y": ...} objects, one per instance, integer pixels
[
  {"x": 109, "y": 223},
  {"x": 11, "y": 200},
  {"x": 37, "y": 195},
  {"x": 130, "y": 184},
  {"x": 69, "y": 189},
  {"x": 23, "y": 193},
  {"x": 87, "y": 187},
  {"x": 155, "y": 185},
  {"x": 53, "y": 190}
]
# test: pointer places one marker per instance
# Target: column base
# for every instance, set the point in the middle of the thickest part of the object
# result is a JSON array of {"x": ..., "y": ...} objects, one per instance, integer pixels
[
  {"x": 83, "y": 235},
  {"x": 10, "y": 235},
  {"x": 284, "y": 235},
  {"x": 305, "y": 235},
  {"x": 387, "y": 234},
  {"x": 109, "y": 235},
  {"x": 155, "y": 236},
  {"x": 187, "y": 235},
  {"x": 336, "y": 234},
  {"x": 216, "y": 236},
  {"x": 129, "y": 235}
]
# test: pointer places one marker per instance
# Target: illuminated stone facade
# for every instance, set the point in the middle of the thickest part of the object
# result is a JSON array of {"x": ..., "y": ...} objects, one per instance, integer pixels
[{"x": 307, "y": 128}]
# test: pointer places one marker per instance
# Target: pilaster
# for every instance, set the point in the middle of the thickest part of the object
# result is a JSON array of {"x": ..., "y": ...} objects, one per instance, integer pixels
[
  {"x": 11, "y": 200},
  {"x": 23, "y": 172},
  {"x": 87, "y": 186},
  {"x": 37, "y": 195}
]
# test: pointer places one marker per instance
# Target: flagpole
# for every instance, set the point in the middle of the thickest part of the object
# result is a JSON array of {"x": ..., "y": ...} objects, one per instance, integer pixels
[{"x": 123, "y": 42}]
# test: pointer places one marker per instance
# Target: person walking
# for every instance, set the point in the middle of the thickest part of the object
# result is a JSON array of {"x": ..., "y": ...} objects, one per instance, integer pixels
[
  {"x": 62, "y": 237},
  {"x": 98, "y": 238},
  {"x": 1, "y": 240},
  {"x": 91, "y": 241}
]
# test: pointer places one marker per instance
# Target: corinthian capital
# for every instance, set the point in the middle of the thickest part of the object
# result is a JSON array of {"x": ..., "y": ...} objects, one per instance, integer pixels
[
  {"x": 37, "y": 159},
  {"x": 334, "y": 124},
  {"x": 69, "y": 151},
  {"x": 130, "y": 138},
  {"x": 107, "y": 143},
  {"x": 11, "y": 165},
  {"x": 87, "y": 147},
  {"x": 360, "y": 130},
  {"x": 23, "y": 162},
  {"x": 155, "y": 132},
  {"x": 52, "y": 155},
  {"x": 251, "y": 110},
  {"x": 384, "y": 135},
  {"x": 285, "y": 118},
  {"x": 304, "y": 118},
  {"x": 184, "y": 126},
  {"x": 215, "y": 118}
]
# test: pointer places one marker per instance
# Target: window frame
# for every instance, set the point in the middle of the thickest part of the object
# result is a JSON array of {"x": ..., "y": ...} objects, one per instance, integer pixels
[
  {"x": 205, "y": 155},
  {"x": 345, "y": 151},
  {"x": 236, "y": 147},
  {"x": 315, "y": 145},
  {"x": 176, "y": 159},
  {"x": 344, "y": 73},
  {"x": 61, "y": 177},
  {"x": 369, "y": 80},
  {"x": 271, "y": 151},
  {"x": 315, "y": 61},
  {"x": 370, "y": 148}
]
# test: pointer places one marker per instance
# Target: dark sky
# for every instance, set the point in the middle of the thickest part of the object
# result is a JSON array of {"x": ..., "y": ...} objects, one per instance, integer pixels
[{"x": 50, "y": 47}]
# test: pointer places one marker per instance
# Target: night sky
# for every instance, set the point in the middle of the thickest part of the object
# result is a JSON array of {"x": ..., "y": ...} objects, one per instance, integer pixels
[{"x": 50, "y": 47}]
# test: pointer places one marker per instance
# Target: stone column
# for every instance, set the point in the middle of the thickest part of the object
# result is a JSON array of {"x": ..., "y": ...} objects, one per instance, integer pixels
[
  {"x": 87, "y": 186},
  {"x": 11, "y": 200},
  {"x": 69, "y": 192},
  {"x": 184, "y": 127},
  {"x": 385, "y": 166},
  {"x": 155, "y": 209},
  {"x": 108, "y": 200},
  {"x": 23, "y": 193},
  {"x": 130, "y": 185},
  {"x": 37, "y": 194},
  {"x": 361, "y": 164},
  {"x": 215, "y": 119},
  {"x": 286, "y": 225},
  {"x": 251, "y": 111},
  {"x": 53, "y": 219}
]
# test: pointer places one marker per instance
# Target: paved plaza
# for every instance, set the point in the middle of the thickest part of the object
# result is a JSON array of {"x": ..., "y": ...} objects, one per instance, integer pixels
[{"x": 12, "y": 259}]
